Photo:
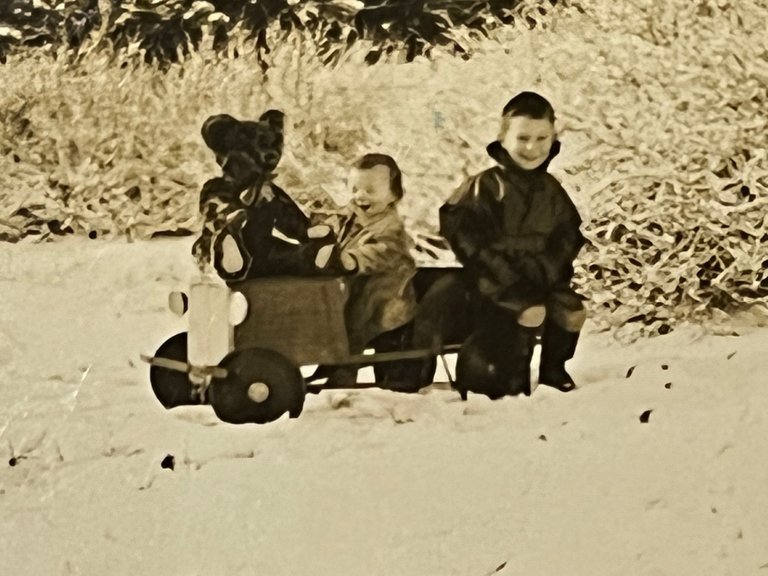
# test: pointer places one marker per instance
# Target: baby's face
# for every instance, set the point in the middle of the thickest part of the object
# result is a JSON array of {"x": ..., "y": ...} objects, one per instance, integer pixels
[
  {"x": 371, "y": 193},
  {"x": 529, "y": 140}
]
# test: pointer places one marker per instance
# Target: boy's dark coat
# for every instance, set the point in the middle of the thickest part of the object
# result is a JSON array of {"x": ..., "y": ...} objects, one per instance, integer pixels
[{"x": 515, "y": 231}]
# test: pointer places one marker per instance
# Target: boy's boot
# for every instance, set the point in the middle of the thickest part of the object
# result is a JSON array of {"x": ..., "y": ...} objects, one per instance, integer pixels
[
  {"x": 520, "y": 373},
  {"x": 557, "y": 347}
]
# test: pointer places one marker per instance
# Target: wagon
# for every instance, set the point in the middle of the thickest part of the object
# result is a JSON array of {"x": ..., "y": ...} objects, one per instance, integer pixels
[{"x": 246, "y": 342}]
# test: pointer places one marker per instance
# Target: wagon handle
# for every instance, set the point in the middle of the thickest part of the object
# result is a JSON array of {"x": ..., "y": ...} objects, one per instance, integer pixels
[
  {"x": 375, "y": 358},
  {"x": 215, "y": 371},
  {"x": 447, "y": 369}
]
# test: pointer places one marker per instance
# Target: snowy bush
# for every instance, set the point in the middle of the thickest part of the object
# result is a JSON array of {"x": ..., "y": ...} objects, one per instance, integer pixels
[{"x": 660, "y": 109}]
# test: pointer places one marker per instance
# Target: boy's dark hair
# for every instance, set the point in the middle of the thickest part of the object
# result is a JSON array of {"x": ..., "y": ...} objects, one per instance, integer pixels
[
  {"x": 395, "y": 176},
  {"x": 529, "y": 104}
]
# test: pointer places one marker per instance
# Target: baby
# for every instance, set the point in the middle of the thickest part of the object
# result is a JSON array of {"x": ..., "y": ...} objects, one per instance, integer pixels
[{"x": 371, "y": 244}]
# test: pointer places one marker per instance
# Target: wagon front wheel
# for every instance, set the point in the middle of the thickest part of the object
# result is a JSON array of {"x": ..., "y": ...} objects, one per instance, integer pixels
[
  {"x": 261, "y": 385},
  {"x": 172, "y": 387},
  {"x": 477, "y": 367}
]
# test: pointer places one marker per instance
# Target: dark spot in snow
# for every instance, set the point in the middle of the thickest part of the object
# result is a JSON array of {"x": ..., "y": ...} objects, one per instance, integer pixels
[
  {"x": 665, "y": 366},
  {"x": 714, "y": 510},
  {"x": 653, "y": 504},
  {"x": 92, "y": 234},
  {"x": 13, "y": 461},
  {"x": 629, "y": 372},
  {"x": 500, "y": 567},
  {"x": 131, "y": 364},
  {"x": 168, "y": 463},
  {"x": 739, "y": 535},
  {"x": 16, "y": 158},
  {"x": 645, "y": 416},
  {"x": 731, "y": 355},
  {"x": 543, "y": 438},
  {"x": 668, "y": 385}
]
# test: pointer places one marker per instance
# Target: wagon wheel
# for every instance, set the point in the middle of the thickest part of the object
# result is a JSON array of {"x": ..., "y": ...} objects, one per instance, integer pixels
[
  {"x": 261, "y": 385},
  {"x": 477, "y": 368},
  {"x": 490, "y": 363},
  {"x": 172, "y": 387}
]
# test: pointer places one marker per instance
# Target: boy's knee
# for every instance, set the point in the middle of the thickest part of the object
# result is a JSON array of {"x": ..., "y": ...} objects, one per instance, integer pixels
[{"x": 532, "y": 317}]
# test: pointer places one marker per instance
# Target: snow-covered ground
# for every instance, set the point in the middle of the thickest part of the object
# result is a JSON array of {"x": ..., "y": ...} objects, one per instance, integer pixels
[{"x": 367, "y": 482}]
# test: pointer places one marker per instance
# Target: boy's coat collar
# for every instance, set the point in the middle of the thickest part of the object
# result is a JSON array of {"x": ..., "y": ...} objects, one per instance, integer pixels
[{"x": 497, "y": 151}]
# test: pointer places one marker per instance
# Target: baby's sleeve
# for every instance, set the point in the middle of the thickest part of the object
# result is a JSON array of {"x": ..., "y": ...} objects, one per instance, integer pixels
[{"x": 375, "y": 253}]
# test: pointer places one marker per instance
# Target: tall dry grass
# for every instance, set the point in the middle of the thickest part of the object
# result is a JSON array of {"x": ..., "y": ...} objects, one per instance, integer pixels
[{"x": 660, "y": 110}]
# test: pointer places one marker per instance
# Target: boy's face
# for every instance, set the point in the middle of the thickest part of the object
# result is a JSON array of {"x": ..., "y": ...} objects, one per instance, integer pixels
[
  {"x": 371, "y": 193},
  {"x": 529, "y": 140}
]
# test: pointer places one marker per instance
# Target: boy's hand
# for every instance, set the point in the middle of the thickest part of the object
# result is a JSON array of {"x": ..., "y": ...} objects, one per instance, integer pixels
[
  {"x": 533, "y": 272},
  {"x": 528, "y": 244},
  {"x": 498, "y": 266}
]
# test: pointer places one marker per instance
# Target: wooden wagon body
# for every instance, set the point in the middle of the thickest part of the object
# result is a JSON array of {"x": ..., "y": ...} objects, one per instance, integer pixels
[{"x": 246, "y": 341}]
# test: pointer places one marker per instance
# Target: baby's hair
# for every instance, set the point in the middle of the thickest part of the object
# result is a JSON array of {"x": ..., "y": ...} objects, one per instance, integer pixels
[
  {"x": 395, "y": 176},
  {"x": 529, "y": 104}
]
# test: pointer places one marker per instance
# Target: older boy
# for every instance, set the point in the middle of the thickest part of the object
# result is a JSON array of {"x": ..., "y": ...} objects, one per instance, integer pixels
[{"x": 516, "y": 232}]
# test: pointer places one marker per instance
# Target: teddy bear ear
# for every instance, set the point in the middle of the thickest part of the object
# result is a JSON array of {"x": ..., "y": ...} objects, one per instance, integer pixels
[
  {"x": 217, "y": 131},
  {"x": 274, "y": 118}
]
